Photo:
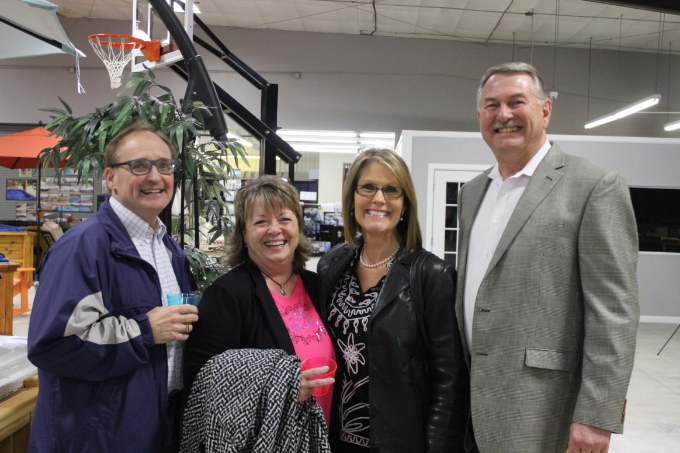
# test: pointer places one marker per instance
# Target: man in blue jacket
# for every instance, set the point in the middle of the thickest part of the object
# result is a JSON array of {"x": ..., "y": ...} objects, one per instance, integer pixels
[{"x": 108, "y": 348}]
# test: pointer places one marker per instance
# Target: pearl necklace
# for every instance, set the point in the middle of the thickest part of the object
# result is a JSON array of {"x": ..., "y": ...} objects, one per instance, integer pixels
[
  {"x": 282, "y": 291},
  {"x": 372, "y": 266}
]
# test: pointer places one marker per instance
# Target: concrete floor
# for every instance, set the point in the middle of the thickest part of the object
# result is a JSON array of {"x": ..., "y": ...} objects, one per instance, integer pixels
[{"x": 653, "y": 411}]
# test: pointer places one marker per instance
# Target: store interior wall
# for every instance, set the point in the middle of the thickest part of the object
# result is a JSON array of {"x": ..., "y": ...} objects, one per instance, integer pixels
[
  {"x": 365, "y": 83},
  {"x": 643, "y": 162},
  {"x": 331, "y": 175}
]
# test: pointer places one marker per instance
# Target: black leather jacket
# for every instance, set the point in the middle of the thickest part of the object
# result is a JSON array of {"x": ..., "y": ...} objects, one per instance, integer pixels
[{"x": 419, "y": 402}]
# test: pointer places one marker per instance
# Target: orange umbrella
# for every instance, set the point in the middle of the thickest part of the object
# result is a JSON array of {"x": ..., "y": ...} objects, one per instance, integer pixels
[{"x": 21, "y": 150}]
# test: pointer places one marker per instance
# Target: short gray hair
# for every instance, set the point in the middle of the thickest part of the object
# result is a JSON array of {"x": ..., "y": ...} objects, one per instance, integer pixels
[{"x": 510, "y": 68}]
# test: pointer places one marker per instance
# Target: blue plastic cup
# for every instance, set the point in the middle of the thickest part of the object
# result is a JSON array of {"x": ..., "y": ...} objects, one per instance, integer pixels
[{"x": 182, "y": 299}]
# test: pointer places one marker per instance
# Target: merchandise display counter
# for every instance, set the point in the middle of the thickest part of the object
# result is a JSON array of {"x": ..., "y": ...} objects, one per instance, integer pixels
[
  {"x": 7, "y": 297},
  {"x": 18, "y": 394},
  {"x": 16, "y": 417},
  {"x": 18, "y": 248}
]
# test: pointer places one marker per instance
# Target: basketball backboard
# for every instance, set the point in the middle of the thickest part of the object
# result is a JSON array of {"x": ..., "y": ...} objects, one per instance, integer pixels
[{"x": 148, "y": 26}]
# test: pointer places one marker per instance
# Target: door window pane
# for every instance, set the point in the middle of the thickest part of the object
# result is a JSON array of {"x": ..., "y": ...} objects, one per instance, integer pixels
[
  {"x": 451, "y": 217},
  {"x": 450, "y": 237},
  {"x": 451, "y": 193}
]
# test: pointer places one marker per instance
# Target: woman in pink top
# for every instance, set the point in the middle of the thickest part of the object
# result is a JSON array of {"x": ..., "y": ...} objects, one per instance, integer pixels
[{"x": 268, "y": 300}]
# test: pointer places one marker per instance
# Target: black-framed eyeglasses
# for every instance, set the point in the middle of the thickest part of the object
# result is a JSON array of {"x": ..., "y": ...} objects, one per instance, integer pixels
[
  {"x": 143, "y": 166},
  {"x": 370, "y": 190}
]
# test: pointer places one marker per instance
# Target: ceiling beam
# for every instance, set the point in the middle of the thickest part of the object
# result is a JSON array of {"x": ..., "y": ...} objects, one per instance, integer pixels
[{"x": 660, "y": 6}]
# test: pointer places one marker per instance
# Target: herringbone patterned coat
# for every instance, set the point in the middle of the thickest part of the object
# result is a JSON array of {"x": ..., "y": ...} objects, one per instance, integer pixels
[{"x": 245, "y": 400}]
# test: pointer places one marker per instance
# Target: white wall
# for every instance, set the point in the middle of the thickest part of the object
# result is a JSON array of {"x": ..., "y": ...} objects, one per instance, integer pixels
[
  {"x": 643, "y": 162},
  {"x": 330, "y": 175}
]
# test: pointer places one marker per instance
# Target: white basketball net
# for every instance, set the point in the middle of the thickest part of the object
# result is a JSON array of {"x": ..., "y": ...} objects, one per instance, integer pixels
[{"x": 116, "y": 53}]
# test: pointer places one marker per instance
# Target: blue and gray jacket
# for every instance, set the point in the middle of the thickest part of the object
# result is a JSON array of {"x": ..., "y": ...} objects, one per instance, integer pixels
[{"x": 103, "y": 381}]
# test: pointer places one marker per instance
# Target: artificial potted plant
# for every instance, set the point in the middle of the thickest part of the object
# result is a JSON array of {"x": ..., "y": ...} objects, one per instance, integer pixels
[{"x": 84, "y": 138}]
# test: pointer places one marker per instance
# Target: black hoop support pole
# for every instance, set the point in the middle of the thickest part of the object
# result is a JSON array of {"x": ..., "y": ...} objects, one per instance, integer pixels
[{"x": 199, "y": 85}]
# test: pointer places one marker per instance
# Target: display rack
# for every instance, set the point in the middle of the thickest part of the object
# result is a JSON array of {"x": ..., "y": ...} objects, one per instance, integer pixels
[{"x": 323, "y": 229}]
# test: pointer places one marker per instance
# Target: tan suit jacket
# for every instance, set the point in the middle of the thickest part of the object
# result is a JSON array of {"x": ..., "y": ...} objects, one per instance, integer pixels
[{"x": 553, "y": 333}]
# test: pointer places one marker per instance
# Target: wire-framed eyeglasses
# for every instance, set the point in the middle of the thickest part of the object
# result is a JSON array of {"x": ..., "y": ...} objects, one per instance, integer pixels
[
  {"x": 370, "y": 190},
  {"x": 143, "y": 166}
]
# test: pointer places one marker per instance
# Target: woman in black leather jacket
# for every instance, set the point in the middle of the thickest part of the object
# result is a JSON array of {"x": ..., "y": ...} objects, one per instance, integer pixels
[{"x": 399, "y": 387}]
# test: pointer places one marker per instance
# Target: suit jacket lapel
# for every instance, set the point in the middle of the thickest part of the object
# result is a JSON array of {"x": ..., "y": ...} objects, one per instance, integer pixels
[{"x": 542, "y": 182}]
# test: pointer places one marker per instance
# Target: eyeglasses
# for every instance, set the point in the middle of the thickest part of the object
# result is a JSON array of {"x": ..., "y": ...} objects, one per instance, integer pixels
[
  {"x": 369, "y": 190},
  {"x": 143, "y": 166}
]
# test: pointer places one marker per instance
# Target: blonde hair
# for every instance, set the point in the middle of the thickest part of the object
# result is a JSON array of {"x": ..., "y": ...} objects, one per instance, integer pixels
[
  {"x": 408, "y": 230},
  {"x": 274, "y": 194}
]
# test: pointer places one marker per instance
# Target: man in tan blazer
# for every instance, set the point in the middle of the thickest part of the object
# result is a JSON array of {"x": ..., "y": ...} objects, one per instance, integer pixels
[{"x": 547, "y": 299}]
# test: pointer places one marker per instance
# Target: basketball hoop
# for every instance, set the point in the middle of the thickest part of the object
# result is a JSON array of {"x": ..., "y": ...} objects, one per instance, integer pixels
[{"x": 116, "y": 51}]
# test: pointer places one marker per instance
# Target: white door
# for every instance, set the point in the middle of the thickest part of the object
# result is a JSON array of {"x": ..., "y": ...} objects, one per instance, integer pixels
[{"x": 444, "y": 224}]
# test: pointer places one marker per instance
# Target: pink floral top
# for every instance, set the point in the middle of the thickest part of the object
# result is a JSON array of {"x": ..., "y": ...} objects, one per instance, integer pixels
[{"x": 307, "y": 332}]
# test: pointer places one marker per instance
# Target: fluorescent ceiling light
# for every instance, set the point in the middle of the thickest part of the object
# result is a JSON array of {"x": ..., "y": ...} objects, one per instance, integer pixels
[
  {"x": 375, "y": 141},
  {"x": 328, "y": 149},
  {"x": 320, "y": 140},
  {"x": 672, "y": 126},
  {"x": 178, "y": 9},
  {"x": 628, "y": 110},
  {"x": 351, "y": 142},
  {"x": 383, "y": 135},
  {"x": 248, "y": 158},
  {"x": 291, "y": 132}
]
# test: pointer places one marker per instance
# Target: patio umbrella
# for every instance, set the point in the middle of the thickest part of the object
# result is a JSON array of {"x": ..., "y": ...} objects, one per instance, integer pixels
[{"x": 21, "y": 150}]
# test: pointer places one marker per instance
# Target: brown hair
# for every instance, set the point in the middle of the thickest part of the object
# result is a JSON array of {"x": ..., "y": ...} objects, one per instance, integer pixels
[
  {"x": 273, "y": 193},
  {"x": 111, "y": 149},
  {"x": 408, "y": 230}
]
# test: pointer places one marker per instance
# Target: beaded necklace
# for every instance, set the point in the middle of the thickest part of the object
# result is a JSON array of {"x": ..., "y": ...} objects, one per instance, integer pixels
[{"x": 378, "y": 264}]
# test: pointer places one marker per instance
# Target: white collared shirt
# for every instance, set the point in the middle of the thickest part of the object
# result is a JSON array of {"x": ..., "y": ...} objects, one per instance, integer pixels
[
  {"x": 498, "y": 204},
  {"x": 149, "y": 244}
]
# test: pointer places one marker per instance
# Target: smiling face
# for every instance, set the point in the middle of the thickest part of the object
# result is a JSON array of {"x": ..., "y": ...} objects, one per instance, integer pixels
[
  {"x": 272, "y": 237},
  {"x": 377, "y": 215},
  {"x": 511, "y": 118},
  {"x": 145, "y": 195}
]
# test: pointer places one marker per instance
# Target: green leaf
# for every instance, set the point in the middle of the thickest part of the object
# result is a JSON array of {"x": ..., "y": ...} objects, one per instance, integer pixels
[
  {"x": 66, "y": 106},
  {"x": 55, "y": 111},
  {"x": 166, "y": 89},
  {"x": 102, "y": 141},
  {"x": 149, "y": 72},
  {"x": 125, "y": 114},
  {"x": 142, "y": 87},
  {"x": 130, "y": 84},
  {"x": 56, "y": 121}
]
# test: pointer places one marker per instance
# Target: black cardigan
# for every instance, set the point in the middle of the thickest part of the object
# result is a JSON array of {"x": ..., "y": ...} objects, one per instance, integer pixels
[{"x": 237, "y": 311}]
